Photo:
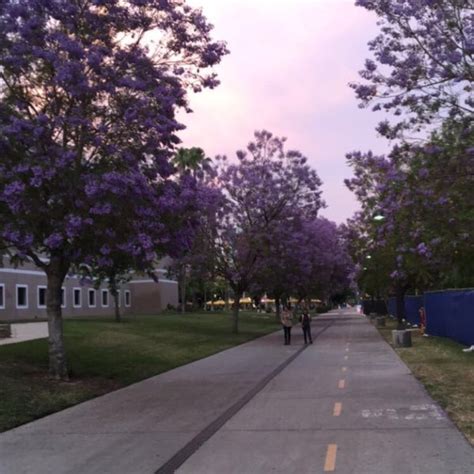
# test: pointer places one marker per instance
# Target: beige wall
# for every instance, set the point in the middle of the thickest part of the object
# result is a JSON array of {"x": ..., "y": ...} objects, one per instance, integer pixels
[{"x": 146, "y": 296}]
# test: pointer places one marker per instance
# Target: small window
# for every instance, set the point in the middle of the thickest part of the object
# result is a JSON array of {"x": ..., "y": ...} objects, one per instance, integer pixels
[
  {"x": 105, "y": 298},
  {"x": 127, "y": 298},
  {"x": 63, "y": 297},
  {"x": 21, "y": 296},
  {"x": 2, "y": 296},
  {"x": 41, "y": 297},
  {"x": 91, "y": 298},
  {"x": 76, "y": 297}
]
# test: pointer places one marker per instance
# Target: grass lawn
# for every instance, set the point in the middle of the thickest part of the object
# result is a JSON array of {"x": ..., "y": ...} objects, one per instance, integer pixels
[
  {"x": 447, "y": 373},
  {"x": 104, "y": 355}
]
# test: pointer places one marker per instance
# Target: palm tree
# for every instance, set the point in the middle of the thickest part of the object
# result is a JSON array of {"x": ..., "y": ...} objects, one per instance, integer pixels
[{"x": 191, "y": 160}]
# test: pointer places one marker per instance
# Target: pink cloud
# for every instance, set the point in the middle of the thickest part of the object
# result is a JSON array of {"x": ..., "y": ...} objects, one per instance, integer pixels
[{"x": 288, "y": 71}]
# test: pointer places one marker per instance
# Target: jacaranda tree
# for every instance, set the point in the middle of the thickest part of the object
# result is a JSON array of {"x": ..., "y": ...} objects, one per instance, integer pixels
[
  {"x": 88, "y": 95},
  {"x": 424, "y": 196},
  {"x": 422, "y": 69},
  {"x": 306, "y": 258},
  {"x": 268, "y": 187}
]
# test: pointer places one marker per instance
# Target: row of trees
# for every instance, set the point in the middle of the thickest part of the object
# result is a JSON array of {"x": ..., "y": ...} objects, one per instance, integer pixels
[
  {"x": 91, "y": 181},
  {"x": 263, "y": 234},
  {"x": 415, "y": 229}
]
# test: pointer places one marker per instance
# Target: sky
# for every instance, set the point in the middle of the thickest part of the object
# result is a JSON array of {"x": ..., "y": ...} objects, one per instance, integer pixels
[{"x": 288, "y": 71}]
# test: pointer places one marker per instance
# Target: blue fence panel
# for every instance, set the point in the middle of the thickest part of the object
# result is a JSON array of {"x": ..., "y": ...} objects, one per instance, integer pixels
[
  {"x": 451, "y": 314},
  {"x": 374, "y": 306},
  {"x": 392, "y": 306},
  {"x": 412, "y": 307},
  {"x": 436, "y": 307}
]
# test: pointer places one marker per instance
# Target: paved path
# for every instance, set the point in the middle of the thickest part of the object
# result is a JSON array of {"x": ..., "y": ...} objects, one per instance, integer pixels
[
  {"x": 346, "y": 404},
  {"x": 26, "y": 332}
]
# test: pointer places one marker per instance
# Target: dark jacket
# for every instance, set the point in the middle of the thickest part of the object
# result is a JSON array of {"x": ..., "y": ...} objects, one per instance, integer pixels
[{"x": 305, "y": 320}]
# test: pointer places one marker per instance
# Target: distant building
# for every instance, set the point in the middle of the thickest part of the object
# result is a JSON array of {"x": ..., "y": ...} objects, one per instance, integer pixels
[{"x": 23, "y": 294}]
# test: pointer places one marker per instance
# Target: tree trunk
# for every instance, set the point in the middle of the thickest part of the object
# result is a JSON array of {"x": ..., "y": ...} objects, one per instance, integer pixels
[
  {"x": 400, "y": 305},
  {"x": 227, "y": 298},
  {"x": 194, "y": 299},
  {"x": 56, "y": 272},
  {"x": 235, "y": 312},
  {"x": 183, "y": 290},
  {"x": 115, "y": 296},
  {"x": 118, "y": 317}
]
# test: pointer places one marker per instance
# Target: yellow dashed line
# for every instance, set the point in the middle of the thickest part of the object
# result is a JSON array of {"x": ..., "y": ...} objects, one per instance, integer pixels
[
  {"x": 342, "y": 383},
  {"x": 337, "y": 409},
  {"x": 330, "y": 464}
]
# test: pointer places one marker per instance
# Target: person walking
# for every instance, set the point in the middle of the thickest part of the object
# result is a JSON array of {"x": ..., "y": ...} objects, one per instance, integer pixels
[
  {"x": 305, "y": 320},
  {"x": 287, "y": 323}
]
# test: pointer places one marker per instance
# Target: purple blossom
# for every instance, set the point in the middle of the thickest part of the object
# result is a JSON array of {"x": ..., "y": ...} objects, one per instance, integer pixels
[{"x": 54, "y": 241}]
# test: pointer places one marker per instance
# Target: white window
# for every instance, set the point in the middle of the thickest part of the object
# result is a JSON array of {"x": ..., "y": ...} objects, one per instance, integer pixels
[
  {"x": 41, "y": 297},
  {"x": 127, "y": 298},
  {"x": 91, "y": 295},
  {"x": 2, "y": 296},
  {"x": 76, "y": 302},
  {"x": 104, "y": 298},
  {"x": 63, "y": 297},
  {"x": 22, "y": 296}
]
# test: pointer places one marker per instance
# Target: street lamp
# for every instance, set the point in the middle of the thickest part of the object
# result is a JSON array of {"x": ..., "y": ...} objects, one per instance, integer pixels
[{"x": 378, "y": 217}]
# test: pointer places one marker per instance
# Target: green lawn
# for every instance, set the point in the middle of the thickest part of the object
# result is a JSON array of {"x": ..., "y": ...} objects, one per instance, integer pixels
[
  {"x": 104, "y": 355},
  {"x": 447, "y": 373}
]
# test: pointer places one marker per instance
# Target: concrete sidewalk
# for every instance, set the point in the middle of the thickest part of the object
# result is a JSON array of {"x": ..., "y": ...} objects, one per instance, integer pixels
[
  {"x": 349, "y": 405},
  {"x": 346, "y": 403},
  {"x": 26, "y": 332},
  {"x": 138, "y": 428}
]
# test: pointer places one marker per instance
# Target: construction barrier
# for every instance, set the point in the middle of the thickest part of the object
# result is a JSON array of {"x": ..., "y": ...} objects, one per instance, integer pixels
[
  {"x": 412, "y": 307},
  {"x": 449, "y": 313},
  {"x": 374, "y": 306}
]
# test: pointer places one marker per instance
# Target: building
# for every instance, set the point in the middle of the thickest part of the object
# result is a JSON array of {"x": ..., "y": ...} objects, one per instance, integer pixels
[{"x": 23, "y": 294}]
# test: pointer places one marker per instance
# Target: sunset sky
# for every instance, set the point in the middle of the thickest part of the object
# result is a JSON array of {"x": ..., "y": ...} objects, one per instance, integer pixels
[{"x": 288, "y": 72}]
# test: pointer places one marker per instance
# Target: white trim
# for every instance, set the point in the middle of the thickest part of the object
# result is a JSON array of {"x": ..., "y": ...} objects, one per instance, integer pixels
[
  {"x": 160, "y": 280},
  {"x": 16, "y": 297},
  {"x": 38, "y": 288},
  {"x": 32, "y": 272},
  {"x": 23, "y": 272},
  {"x": 127, "y": 292},
  {"x": 102, "y": 292},
  {"x": 74, "y": 297},
  {"x": 160, "y": 270},
  {"x": 2, "y": 289},
  {"x": 89, "y": 291},
  {"x": 63, "y": 296},
  {"x": 40, "y": 273}
]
